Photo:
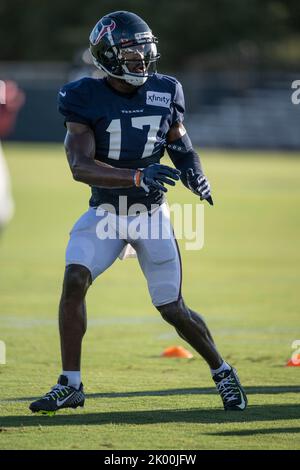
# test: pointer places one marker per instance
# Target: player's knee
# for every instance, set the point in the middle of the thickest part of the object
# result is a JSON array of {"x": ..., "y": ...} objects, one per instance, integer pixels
[
  {"x": 76, "y": 282},
  {"x": 174, "y": 313}
]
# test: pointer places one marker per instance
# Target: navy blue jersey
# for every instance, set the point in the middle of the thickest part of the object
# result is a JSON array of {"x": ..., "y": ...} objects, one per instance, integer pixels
[{"x": 130, "y": 129}]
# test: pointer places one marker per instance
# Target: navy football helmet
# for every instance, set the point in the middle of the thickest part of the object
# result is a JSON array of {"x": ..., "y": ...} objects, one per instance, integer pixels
[{"x": 123, "y": 46}]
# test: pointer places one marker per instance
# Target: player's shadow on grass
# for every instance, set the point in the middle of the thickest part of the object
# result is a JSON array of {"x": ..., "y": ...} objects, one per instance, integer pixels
[
  {"x": 253, "y": 432},
  {"x": 193, "y": 415},
  {"x": 260, "y": 390},
  {"x": 263, "y": 390}
]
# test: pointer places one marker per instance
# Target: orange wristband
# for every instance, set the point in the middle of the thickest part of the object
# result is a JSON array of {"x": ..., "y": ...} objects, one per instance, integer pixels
[{"x": 137, "y": 178}]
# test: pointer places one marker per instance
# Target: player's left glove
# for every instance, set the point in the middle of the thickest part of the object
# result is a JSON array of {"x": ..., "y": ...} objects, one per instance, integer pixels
[{"x": 199, "y": 185}]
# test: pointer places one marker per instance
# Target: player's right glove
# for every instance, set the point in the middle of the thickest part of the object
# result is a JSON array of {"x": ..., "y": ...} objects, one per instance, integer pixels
[{"x": 153, "y": 177}]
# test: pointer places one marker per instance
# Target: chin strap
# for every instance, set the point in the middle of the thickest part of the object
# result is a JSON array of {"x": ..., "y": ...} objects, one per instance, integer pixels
[
  {"x": 135, "y": 81},
  {"x": 132, "y": 79}
]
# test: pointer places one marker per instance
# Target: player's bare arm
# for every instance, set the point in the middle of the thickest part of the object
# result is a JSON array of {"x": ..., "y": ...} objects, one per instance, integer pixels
[
  {"x": 176, "y": 132},
  {"x": 80, "y": 149}
]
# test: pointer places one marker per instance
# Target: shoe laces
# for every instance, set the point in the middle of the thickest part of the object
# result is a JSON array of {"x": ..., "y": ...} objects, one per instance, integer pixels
[
  {"x": 58, "y": 391},
  {"x": 228, "y": 389}
]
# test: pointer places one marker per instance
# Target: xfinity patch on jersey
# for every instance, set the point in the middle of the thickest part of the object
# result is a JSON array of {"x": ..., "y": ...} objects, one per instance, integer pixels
[{"x": 155, "y": 98}]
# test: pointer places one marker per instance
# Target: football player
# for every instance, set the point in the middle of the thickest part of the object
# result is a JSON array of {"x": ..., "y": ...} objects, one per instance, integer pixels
[
  {"x": 14, "y": 100},
  {"x": 117, "y": 130}
]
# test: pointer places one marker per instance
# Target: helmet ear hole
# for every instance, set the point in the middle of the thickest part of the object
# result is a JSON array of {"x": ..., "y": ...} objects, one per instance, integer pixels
[
  {"x": 109, "y": 61},
  {"x": 109, "y": 55}
]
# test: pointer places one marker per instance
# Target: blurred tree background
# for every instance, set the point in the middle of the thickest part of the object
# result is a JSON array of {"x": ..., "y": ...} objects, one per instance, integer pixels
[{"x": 264, "y": 31}]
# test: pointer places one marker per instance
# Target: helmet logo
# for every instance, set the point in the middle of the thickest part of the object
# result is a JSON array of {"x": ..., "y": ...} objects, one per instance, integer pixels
[{"x": 103, "y": 28}]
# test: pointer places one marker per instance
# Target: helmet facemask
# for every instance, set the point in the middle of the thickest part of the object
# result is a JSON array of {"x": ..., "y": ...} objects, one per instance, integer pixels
[{"x": 138, "y": 62}]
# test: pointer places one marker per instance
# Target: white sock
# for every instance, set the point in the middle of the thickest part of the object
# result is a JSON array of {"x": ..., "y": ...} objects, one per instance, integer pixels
[
  {"x": 74, "y": 378},
  {"x": 223, "y": 366}
]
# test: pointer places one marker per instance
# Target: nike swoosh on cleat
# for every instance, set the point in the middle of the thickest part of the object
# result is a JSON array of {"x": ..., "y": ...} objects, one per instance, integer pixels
[
  {"x": 63, "y": 93},
  {"x": 242, "y": 405},
  {"x": 61, "y": 402}
]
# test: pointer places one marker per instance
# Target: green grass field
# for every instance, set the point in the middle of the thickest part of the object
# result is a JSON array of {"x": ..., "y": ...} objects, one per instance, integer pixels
[{"x": 245, "y": 282}]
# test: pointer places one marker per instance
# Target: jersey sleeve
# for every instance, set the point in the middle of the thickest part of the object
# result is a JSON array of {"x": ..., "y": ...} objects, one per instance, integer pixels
[
  {"x": 178, "y": 104},
  {"x": 73, "y": 103}
]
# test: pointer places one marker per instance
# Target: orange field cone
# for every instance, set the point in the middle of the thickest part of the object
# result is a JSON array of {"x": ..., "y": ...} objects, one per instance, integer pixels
[
  {"x": 294, "y": 361},
  {"x": 177, "y": 351}
]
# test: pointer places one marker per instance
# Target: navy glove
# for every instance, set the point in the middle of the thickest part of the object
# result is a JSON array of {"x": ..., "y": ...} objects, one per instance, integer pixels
[
  {"x": 153, "y": 177},
  {"x": 199, "y": 185}
]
